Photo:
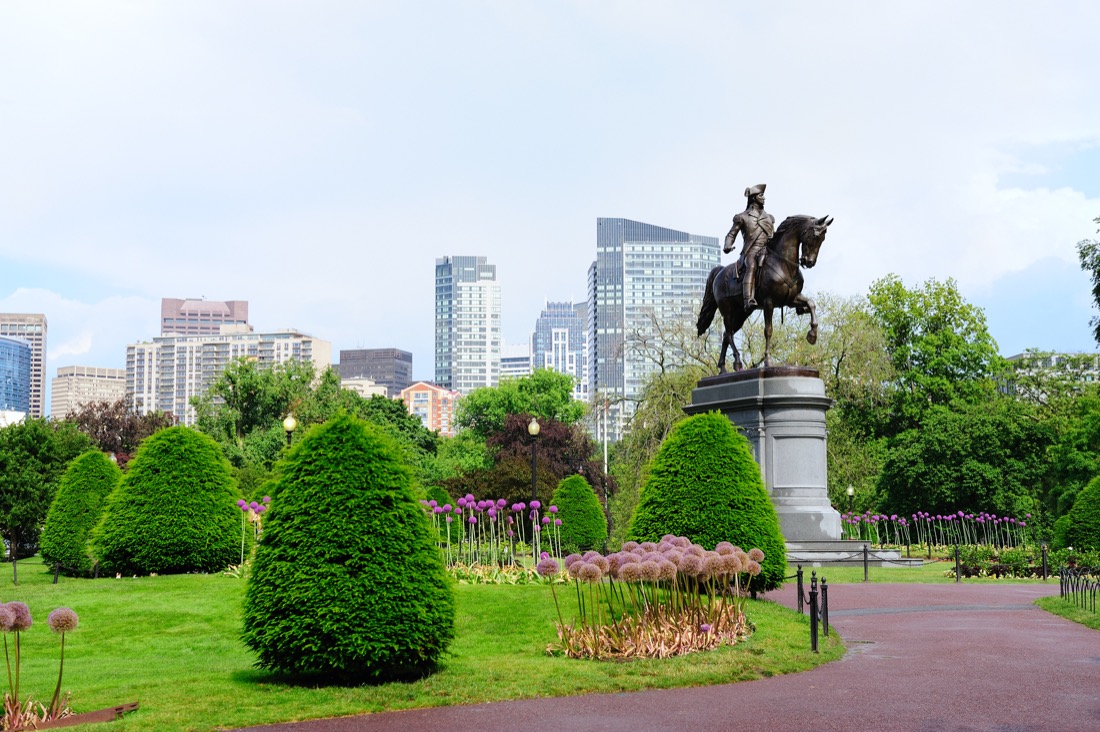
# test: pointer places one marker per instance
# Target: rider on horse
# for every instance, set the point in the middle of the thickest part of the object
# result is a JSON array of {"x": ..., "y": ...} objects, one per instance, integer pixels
[{"x": 757, "y": 227}]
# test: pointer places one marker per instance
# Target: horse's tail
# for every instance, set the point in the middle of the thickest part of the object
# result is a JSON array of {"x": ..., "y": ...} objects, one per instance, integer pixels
[{"x": 710, "y": 305}]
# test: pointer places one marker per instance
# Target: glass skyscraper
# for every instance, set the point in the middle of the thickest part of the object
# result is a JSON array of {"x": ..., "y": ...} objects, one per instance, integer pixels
[
  {"x": 642, "y": 273},
  {"x": 560, "y": 343},
  {"x": 15, "y": 375},
  {"x": 467, "y": 323}
]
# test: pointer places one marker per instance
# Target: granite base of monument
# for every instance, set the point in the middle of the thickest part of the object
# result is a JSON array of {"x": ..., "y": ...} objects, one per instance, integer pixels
[{"x": 781, "y": 410}]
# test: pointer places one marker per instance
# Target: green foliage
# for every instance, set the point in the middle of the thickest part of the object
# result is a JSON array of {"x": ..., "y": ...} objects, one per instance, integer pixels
[
  {"x": 984, "y": 457},
  {"x": 174, "y": 510},
  {"x": 545, "y": 394},
  {"x": 1083, "y": 529},
  {"x": 704, "y": 484},
  {"x": 116, "y": 428},
  {"x": 33, "y": 455},
  {"x": 347, "y": 580},
  {"x": 1088, "y": 252},
  {"x": 583, "y": 523},
  {"x": 76, "y": 510},
  {"x": 1061, "y": 529},
  {"x": 939, "y": 345}
]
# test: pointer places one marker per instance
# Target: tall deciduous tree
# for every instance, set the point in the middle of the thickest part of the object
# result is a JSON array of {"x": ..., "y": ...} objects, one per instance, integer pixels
[
  {"x": 544, "y": 394},
  {"x": 1088, "y": 252},
  {"x": 116, "y": 428}
]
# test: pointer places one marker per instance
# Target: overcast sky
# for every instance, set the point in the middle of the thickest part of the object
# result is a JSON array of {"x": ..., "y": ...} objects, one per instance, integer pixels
[{"x": 316, "y": 158}]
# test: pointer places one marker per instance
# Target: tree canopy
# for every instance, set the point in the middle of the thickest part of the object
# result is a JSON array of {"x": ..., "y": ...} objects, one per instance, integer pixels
[
  {"x": 1088, "y": 252},
  {"x": 116, "y": 428},
  {"x": 545, "y": 394}
]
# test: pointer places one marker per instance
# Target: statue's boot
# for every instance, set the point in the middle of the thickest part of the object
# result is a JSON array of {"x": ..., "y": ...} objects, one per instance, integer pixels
[{"x": 750, "y": 289}]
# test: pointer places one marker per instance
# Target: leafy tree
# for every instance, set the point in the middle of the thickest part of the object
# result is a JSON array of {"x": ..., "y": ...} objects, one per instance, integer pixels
[
  {"x": 1088, "y": 252},
  {"x": 347, "y": 580},
  {"x": 704, "y": 484},
  {"x": 939, "y": 345},
  {"x": 584, "y": 525},
  {"x": 116, "y": 428},
  {"x": 33, "y": 455},
  {"x": 981, "y": 457},
  {"x": 174, "y": 511},
  {"x": 544, "y": 394},
  {"x": 1082, "y": 530},
  {"x": 75, "y": 511}
]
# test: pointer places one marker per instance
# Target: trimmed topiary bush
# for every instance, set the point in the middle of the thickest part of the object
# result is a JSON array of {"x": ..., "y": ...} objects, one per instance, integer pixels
[
  {"x": 174, "y": 511},
  {"x": 347, "y": 581},
  {"x": 583, "y": 524},
  {"x": 76, "y": 510},
  {"x": 704, "y": 484},
  {"x": 1083, "y": 527}
]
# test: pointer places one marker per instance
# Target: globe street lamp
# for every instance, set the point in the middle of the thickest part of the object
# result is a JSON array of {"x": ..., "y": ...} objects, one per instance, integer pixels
[
  {"x": 851, "y": 492},
  {"x": 289, "y": 425},
  {"x": 533, "y": 430}
]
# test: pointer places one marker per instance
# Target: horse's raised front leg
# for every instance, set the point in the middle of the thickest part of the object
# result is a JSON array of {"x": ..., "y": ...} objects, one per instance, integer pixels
[
  {"x": 768, "y": 336},
  {"x": 802, "y": 305},
  {"x": 726, "y": 341}
]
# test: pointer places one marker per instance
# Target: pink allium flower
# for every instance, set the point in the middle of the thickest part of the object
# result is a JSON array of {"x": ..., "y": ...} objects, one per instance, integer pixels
[
  {"x": 62, "y": 620},
  {"x": 547, "y": 568},
  {"x": 21, "y": 615},
  {"x": 7, "y": 618},
  {"x": 554, "y": 509},
  {"x": 557, "y": 522}
]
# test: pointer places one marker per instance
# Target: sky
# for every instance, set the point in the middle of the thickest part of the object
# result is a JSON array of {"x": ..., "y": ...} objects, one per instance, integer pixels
[{"x": 316, "y": 158}]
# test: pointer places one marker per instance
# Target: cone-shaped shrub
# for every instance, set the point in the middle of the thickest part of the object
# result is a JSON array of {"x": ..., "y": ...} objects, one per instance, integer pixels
[
  {"x": 704, "y": 484},
  {"x": 75, "y": 511},
  {"x": 347, "y": 581},
  {"x": 174, "y": 511},
  {"x": 1083, "y": 527},
  {"x": 583, "y": 524}
]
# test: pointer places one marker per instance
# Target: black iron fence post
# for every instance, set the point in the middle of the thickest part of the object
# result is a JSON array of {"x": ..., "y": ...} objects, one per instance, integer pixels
[
  {"x": 1046, "y": 570},
  {"x": 801, "y": 589},
  {"x": 813, "y": 612},
  {"x": 825, "y": 606},
  {"x": 957, "y": 571},
  {"x": 866, "y": 559},
  {"x": 56, "y": 571}
]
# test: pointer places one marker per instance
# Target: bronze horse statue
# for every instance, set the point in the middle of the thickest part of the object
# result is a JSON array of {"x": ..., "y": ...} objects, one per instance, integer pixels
[{"x": 779, "y": 284}]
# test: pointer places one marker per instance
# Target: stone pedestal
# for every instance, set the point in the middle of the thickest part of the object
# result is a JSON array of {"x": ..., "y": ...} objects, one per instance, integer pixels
[{"x": 781, "y": 410}]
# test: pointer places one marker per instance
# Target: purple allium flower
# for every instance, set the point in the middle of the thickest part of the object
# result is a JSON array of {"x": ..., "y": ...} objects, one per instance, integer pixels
[
  {"x": 511, "y": 533},
  {"x": 557, "y": 522},
  {"x": 961, "y": 513},
  {"x": 517, "y": 507},
  {"x": 501, "y": 503},
  {"x": 261, "y": 509},
  {"x": 242, "y": 503},
  {"x": 704, "y": 628},
  {"x": 544, "y": 555},
  {"x": 446, "y": 508},
  {"x": 432, "y": 503},
  {"x": 62, "y": 620},
  {"x": 572, "y": 559},
  {"x": 554, "y": 509},
  {"x": 470, "y": 498},
  {"x": 630, "y": 546},
  {"x": 756, "y": 554},
  {"x": 473, "y": 519},
  {"x": 458, "y": 509},
  {"x": 462, "y": 502},
  {"x": 630, "y": 571},
  {"x": 244, "y": 508},
  {"x": 589, "y": 573},
  {"x": 1027, "y": 515},
  {"x": 492, "y": 513},
  {"x": 545, "y": 520},
  {"x": 1022, "y": 524},
  {"x": 437, "y": 509},
  {"x": 547, "y": 568},
  {"x": 21, "y": 615},
  {"x": 536, "y": 505},
  {"x": 253, "y": 505},
  {"x": 7, "y": 618},
  {"x": 423, "y": 502},
  {"x": 450, "y": 519},
  {"x": 267, "y": 499},
  {"x": 893, "y": 517}
]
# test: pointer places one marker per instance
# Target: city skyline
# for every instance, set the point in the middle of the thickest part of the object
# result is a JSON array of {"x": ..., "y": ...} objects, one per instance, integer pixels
[{"x": 320, "y": 184}]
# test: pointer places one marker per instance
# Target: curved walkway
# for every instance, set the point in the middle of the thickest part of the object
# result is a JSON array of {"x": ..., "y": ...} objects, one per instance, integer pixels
[{"x": 921, "y": 658}]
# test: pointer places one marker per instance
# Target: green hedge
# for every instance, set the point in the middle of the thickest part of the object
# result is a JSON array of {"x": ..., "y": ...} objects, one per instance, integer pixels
[
  {"x": 704, "y": 484},
  {"x": 76, "y": 510},
  {"x": 174, "y": 511},
  {"x": 1083, "y": 529},
  {"x": 347, "y": 581},
  {"x": 583, "y": 523}
]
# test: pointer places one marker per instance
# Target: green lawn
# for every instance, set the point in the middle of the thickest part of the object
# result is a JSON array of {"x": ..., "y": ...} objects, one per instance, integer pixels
[
  {"x": 933, "y": 572},
  {"x": 1057, "y": 606},
  {"x": 171, "y": 644}
]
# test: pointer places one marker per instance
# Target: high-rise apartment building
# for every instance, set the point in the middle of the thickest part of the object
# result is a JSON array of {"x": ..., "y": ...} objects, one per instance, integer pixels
[
  {"x": 30, "y": 327},
  {"x": 389, "y": 367},
  {"x": 163, "y": 375},
  {"x": 467, "y": 323},
  {"x": 560, "y": 343},
  {"x": 642, "y": 273},
  {"x": 515, "y": 360},
  {"x": 75, "y": 386},
  {"x": 15, "y": 380},
  {"x": 434, "y": 405},
  {"x": 200, "y": 317}
]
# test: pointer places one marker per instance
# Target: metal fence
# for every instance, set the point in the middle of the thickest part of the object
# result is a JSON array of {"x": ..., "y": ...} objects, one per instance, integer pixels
[
  {"x": 816, "y": 601},
  {"x": 1080, "y": 586}
]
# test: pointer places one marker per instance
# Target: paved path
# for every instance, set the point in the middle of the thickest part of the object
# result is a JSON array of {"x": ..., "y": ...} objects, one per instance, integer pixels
[{"x": 922, "y": 658}]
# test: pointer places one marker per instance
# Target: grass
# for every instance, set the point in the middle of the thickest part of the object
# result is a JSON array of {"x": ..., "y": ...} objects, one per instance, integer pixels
[
  {"x": 1062, "y": 608},
  {"x": 171, "y": 644},
  {"x": 933, "y": 572}
]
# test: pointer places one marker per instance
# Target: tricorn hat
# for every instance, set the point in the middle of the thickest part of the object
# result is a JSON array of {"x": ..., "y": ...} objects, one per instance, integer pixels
[{"x": 755, "y": 190}]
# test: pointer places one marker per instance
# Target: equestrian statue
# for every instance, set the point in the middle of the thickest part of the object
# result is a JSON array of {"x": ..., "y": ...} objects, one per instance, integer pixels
[{"x": 766, "y": 276}]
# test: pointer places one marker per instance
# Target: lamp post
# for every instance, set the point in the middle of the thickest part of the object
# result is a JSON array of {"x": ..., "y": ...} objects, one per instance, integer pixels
[
  {"x": 533, "y": 430},
  {"x": 289, "y": 425},
  {"x": 851, "y": 492}
]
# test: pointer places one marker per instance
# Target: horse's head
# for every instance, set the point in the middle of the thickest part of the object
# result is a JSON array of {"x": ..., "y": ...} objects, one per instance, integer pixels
[{"x": 812, "y": 236}]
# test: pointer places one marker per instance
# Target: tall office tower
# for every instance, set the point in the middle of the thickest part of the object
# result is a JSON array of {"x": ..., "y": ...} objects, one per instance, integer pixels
[
  {"x": 467, "y": 323},
  {"x": 515, "y": 360},
  {"x": 389, "y": 367},
  {"x": 75, "y": 386},
  {"x": 642, "y": 273},
  {"x": 164, "y": 375},
  {"x": 560, "y": 343},
  {"x": 15, "y": 380},
  {"x": 30, "y": 327},
  {"x": 200, "y": 317}
]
